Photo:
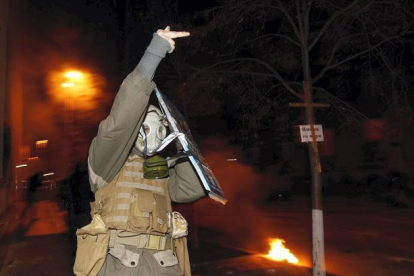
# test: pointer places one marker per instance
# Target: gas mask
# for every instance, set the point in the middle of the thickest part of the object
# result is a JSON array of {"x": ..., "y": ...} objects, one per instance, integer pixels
[{"x": 152, "y": 133}]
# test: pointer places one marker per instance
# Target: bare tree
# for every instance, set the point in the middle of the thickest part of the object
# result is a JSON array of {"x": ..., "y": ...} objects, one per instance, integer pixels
[
  {"x": 299, "y": 46},
  {"x": 293, "y": 46}
]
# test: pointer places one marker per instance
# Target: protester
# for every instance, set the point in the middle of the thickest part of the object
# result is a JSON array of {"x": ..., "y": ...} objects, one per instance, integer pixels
[{"x": 132, "y": 214}]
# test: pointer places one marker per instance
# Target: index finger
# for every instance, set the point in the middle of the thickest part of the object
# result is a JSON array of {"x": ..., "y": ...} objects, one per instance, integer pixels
[{"x": 176, "y": 34}]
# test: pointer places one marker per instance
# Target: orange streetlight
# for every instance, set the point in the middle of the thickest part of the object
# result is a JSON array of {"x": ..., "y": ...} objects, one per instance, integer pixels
[
  {"x": 73, "y": 86},
  {"x": 67, "y": 84},
  {"x": 71, "y": 78},
  {"x": 74, "y": 75},
  {"x": 81, "y": 84},
  {"x": 75, "y": 89}
]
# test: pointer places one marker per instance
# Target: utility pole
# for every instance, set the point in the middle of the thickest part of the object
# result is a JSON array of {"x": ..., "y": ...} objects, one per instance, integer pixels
[
  {"x": 318, "y": 248},
  {"x": 318, "y": 251}
]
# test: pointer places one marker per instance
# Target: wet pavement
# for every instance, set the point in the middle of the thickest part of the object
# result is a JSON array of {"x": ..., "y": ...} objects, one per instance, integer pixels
[
  {"x": 226, "y": 240},
  {"x": 250, "y": 265},
  {"x": 34, "y": 239},
  {"x": 361, "y": 237},
  {"x": 214, "y": 259}
]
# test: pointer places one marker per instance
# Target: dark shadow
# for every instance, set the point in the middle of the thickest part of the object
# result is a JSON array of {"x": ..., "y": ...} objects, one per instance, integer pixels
[
  {"x": 75, "y": 196},
  {"x": 28, "y": 215},
  {"x": 23, "y": 252}
]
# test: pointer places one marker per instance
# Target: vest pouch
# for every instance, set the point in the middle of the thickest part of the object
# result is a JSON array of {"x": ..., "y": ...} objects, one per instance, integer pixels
[
  {"x": 166, "y": 258},
  {"x": 126, "y": 257},
  {"x": 93, "y": 241},
  {"x": 180, "y": 225},
  {"x": 181, "y": 251},
  {"x": 141, "y": 208},
  {"x": 159, "y": 223}
]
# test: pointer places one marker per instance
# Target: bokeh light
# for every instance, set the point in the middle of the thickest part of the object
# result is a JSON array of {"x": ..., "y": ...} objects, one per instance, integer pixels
[{"x": 81, "y": 85}]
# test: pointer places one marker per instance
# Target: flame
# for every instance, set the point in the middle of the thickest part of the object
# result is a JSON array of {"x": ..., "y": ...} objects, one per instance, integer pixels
[{"x": 278, "y": 252}]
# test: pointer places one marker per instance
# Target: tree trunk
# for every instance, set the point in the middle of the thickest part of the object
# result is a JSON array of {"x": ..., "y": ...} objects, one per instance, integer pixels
[{"x": 315, "y": 166}]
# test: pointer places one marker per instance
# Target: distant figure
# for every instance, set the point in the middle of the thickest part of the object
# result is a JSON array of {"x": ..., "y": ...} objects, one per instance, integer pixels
[
  {"x": 35, "y": 181},
  {"x": 29, "y": 214}
]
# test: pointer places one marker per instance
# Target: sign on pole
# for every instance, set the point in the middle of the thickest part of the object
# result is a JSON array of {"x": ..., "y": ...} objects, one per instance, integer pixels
[{"x": 306, "y": 133}]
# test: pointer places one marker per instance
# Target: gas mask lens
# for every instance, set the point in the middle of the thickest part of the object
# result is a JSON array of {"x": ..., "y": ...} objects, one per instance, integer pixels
[
  {"x": 147, "y": 129},
  {"x": 161, "y": 132}
]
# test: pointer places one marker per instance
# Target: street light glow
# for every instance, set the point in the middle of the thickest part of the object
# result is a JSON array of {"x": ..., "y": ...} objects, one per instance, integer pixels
[
  {"x": 75, "y": 85},
  {"x": 42, "y": 142},
  {"x": 67, "y": 84},
  {"x": 73, "y": 75}
]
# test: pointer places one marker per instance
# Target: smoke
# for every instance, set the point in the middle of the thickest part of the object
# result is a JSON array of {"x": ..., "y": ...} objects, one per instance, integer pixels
[
  {"x": 248, "y": 220},
  {"x": 240, "y": 180},
  {"x": 247, "y": 189}
]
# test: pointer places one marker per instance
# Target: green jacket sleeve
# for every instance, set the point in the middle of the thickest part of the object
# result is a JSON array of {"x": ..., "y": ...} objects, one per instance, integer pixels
[
  {"x": 117, "y": 133},
  {"x": 184, "y": 185}
]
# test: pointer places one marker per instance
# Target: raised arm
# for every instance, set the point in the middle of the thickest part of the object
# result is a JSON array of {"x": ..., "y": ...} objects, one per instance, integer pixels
[{"x": 118, "y": 132}]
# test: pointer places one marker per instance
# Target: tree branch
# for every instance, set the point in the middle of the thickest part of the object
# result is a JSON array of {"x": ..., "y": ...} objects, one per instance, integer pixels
[
  {"x": 306, "y": 7},
  {"x": 329, "y": 67},
  {"x": 224, "y": 6},
  {"x": 289, "y": 18},
  {"x": 344, "y": 106},
  {"x": 274, "y": 73},
  {"x": 329, "y": 2},
  {"x": 329, "y": 22},
  {"x": 300, "y": 21},
  {"x": 271, "y": 69},
  {"x": 279, "y": 35},
  {"x": 331, "y": 57}
]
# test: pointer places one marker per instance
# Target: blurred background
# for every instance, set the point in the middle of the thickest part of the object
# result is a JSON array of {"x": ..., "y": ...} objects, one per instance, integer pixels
[{"x": 61, "y": 63}]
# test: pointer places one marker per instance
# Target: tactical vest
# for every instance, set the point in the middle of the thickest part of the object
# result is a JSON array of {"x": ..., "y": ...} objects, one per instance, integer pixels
[{"x": 131, "y": 202}]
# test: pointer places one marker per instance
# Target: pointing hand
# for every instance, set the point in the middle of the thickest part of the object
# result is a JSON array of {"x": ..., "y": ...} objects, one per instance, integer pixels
[{"x": 170, "y": 35}]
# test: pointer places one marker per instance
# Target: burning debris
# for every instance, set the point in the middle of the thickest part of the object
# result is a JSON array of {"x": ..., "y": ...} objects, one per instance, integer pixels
[{"x": 278, "y": 252}]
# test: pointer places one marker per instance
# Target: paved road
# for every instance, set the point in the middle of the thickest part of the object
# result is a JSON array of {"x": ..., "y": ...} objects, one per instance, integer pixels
[
  {"x": 34, "y": 238},
  {"x": 361, "y": 237}
]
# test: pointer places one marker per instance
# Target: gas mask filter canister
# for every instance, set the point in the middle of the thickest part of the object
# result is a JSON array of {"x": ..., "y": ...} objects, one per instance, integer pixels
[{"x": 155, "y": 167}]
